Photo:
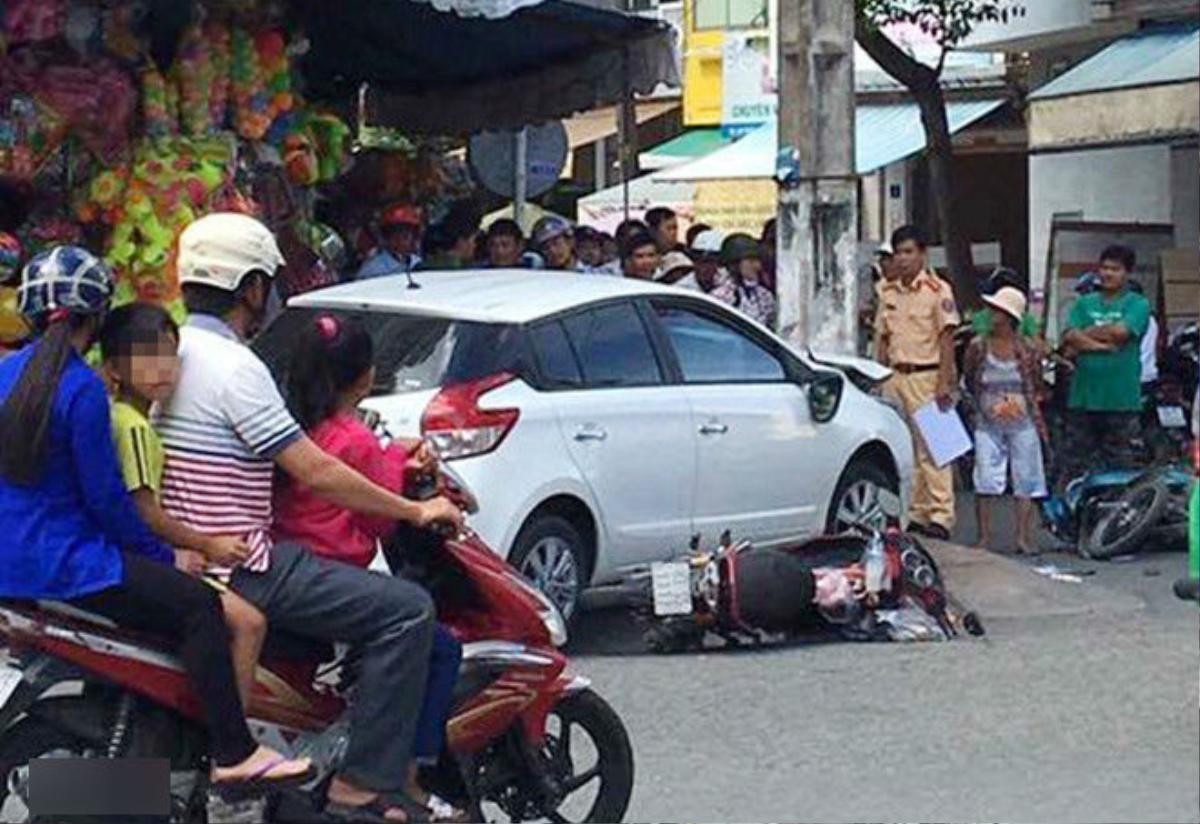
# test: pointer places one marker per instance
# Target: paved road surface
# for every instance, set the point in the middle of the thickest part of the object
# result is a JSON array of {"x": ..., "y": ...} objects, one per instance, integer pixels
[{"x": 1081, "y": 704}]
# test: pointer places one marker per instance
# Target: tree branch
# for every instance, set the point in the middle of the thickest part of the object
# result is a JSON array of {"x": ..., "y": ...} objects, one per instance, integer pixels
[{"x": 914, "y": 75}]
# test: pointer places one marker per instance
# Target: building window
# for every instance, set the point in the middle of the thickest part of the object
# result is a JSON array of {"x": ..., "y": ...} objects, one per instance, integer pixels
[{"x": 730, "y": 14}]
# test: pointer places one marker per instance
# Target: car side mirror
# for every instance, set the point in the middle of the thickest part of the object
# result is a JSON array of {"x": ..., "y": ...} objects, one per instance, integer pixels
[{"x": 824, "y": 396}]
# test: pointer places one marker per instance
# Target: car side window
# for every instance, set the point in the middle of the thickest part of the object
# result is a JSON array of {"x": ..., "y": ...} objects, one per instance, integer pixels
[
  {"x": 712, "y": 352},
  {"x": 613, "y": 347},
  {"x": 555, "y": 357}
]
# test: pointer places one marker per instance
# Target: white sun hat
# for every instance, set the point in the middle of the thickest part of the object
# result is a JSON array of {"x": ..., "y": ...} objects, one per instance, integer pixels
[
  {"x": 1008, "y": 300},
  {"x": 709, "y": 241}
]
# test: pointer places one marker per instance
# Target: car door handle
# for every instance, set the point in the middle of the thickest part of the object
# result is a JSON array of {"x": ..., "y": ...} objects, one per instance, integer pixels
[
  {"x": 590, "y": 433},
  {"x": 713, "y": 428}
]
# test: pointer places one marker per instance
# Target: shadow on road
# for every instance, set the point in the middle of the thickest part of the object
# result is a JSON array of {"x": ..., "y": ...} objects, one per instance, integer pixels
[{"x": 615, "y": 631}]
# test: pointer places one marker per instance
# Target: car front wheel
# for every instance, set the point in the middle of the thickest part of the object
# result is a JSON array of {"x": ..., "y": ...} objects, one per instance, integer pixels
[{"x": 856, "y": 501}]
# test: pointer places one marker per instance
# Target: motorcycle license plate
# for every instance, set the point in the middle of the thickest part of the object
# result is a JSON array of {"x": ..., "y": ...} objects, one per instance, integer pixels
[
  {"x": 672, "y": 584},
  {"x": 1172, "y": 417},
  {"x": 9, "y": 680}
]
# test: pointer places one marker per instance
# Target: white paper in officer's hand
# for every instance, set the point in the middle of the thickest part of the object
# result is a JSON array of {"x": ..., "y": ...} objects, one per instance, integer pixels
[{"x": 943, "y": 432}]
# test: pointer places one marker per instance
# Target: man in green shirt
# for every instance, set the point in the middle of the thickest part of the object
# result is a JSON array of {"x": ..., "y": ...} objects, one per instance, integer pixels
[{"x": 1104, "y": 336}]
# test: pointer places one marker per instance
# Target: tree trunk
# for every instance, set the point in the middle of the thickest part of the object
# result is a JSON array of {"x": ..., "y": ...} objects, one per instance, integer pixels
[
  {"x": 923, "y": 84},
  {"x": 940, "y": 155}
]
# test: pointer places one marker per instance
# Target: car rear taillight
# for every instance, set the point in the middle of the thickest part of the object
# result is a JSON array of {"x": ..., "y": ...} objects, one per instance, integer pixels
[{"x": 456, "y": 424}]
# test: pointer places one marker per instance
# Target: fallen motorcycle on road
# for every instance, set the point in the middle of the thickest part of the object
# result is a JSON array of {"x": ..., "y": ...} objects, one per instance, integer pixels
[{"x": 867, "y": 585}]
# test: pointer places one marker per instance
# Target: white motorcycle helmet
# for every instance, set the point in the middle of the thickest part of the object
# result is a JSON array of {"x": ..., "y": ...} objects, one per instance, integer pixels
[{"x": 220, "y": 249}]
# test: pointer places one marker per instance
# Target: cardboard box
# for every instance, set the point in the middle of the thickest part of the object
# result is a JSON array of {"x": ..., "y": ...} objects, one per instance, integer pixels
[{"x": 1181, "y": 285}]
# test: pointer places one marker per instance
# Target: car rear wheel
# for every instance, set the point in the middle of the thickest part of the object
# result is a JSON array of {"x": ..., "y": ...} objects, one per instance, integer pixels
[
  {"x": 551, "y": 553},
  {"x": 856, "y": 501}
]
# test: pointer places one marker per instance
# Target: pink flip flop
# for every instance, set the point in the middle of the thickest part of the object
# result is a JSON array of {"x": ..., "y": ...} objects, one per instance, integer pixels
[{"x": 258, "y": 783}]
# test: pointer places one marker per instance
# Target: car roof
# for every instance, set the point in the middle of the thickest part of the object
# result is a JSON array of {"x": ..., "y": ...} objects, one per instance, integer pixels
[{"x": 481, "y": 295}]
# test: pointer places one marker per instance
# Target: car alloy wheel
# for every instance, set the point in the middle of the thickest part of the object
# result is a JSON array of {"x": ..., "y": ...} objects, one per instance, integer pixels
[
  {"x": 551, "y": 566},
  {"x": 859, "y": 505}
]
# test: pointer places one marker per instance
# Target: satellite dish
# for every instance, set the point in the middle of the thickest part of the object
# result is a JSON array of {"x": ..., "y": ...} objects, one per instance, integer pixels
[{"x": 493, "y": 159}]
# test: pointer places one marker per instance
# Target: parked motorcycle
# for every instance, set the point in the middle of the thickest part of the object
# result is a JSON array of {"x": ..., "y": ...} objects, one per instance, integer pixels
[
  {"x": 866, "y": 585},
  {"x": 1168, "y": 407},
  {"x": 517, "y": 707}
]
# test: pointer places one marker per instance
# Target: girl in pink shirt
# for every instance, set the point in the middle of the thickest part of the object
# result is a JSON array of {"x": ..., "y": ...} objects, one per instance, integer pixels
[{"x": 331, "y": 373}]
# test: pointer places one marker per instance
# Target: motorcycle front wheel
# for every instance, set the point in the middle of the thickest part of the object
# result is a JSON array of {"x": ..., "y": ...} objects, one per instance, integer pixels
[
  {"x": 1126, "y": 522},
  {"x": 586, "y": 756},
  {"x": 590, "y": 757}
]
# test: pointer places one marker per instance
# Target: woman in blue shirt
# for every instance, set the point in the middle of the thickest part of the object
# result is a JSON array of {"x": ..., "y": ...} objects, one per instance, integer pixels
[{"x": 71, "y": 532}]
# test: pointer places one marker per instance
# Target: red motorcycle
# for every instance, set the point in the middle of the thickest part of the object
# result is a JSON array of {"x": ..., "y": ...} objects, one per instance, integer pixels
[
  {"x": 865, "y": 585},
  {"x": 512, "y": 740}
]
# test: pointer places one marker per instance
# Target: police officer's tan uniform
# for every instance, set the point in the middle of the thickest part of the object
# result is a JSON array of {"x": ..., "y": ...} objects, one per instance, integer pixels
[{"x": 909, "y": 324}]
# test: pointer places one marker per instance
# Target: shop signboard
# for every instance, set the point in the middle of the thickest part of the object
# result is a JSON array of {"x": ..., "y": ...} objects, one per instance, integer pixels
[{"x": 748, "y": 96}]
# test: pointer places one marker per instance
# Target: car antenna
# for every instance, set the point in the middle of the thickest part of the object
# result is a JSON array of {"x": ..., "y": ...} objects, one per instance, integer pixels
[{"x": 412, "y": 284}]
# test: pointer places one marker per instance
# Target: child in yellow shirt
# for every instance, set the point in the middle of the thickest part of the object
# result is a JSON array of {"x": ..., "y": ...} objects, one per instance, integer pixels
[{"x": 139, "y": 345}]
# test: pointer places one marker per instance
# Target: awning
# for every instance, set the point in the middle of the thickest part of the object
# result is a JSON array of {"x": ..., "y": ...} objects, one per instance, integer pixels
[
  {"x": 688, "y": 146},
  {"x": 455, "y": 67},
  {"x": 589, "y": 127},
  {"x": 884, "y": 133},
  {"x": 1144, "y": 87},
  {"x": 606, "y": 208},
  {"x": 1168, "y": 54}
]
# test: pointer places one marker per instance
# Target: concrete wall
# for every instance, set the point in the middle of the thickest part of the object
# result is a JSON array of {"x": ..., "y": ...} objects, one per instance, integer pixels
[
  {"x": 1185, "y": 196},
  {"x": 1118, "y": 115},
  {"x": 1128, "y": 183}
]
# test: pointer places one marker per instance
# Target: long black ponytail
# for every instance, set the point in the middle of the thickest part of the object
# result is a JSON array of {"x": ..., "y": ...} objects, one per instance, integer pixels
[
  {"x": 25, "y": 415},
  {"x": 332, "y": 354}
]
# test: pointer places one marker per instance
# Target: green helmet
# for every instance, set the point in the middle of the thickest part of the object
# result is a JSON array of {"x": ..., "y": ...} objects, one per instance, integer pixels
[{"x": 738, "y": 247}]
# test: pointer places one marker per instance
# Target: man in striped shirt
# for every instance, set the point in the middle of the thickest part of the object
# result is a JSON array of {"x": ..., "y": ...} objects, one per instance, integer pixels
[{"x": 224, "y": 431}]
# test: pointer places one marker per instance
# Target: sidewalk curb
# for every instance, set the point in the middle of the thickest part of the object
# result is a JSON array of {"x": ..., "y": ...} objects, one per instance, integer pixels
[{"x": 996, "y": 586}]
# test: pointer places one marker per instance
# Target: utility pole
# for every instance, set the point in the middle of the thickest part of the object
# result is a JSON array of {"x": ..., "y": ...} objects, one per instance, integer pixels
[{"x": 817, "y": 234}]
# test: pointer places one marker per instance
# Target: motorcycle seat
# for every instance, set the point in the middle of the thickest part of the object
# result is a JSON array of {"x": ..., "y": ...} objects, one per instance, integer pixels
[
  {"x": 279, "y": 645},
  {"x": 70, "y": 611}
]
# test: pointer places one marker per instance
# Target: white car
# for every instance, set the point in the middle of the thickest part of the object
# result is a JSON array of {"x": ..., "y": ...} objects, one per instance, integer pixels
[{"x": 603, "y": 422}]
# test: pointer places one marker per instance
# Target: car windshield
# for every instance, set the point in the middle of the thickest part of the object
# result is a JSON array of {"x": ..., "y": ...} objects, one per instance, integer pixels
[{"x": 412, "y": 353}]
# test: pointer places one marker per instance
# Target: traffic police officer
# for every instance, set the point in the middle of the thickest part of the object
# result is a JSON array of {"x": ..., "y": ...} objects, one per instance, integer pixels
[{"x": 915, "y": 337}]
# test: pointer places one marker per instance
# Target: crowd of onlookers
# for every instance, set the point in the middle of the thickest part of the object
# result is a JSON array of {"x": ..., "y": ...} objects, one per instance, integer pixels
[
  {"x": 909, "y": 320},
  {"x": 736, "y": 268}
]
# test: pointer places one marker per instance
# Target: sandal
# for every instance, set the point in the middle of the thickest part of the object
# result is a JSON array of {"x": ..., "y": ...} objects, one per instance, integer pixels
[
  {"x": 258, "y": 783},
  {"x": 375, "y": 811}
]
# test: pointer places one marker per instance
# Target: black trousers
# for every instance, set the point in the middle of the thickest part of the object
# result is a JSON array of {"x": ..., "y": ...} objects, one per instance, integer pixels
[
  {"x": 158, "y": 598},
  {"x": 388, "y": 619}
]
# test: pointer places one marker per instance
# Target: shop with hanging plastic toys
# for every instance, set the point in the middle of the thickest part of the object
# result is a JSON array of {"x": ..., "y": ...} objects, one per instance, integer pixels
[{"x": 122, "y": 122}]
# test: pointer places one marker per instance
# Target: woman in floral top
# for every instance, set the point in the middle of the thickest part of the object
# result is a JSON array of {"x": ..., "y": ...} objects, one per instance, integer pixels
[
  {"x": 1002, "y": 372},
  {"x": 744, "y": 290}
]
